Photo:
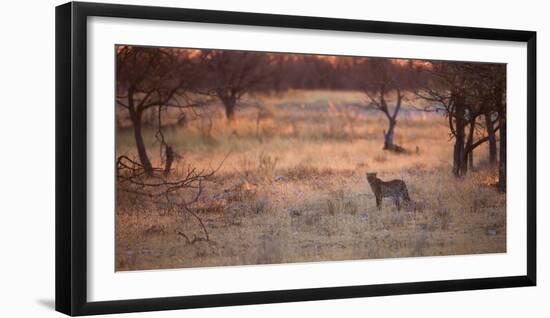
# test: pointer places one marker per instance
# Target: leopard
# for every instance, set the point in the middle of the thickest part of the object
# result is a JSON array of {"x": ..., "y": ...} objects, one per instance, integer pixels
[{"x": 395, "y": 189}]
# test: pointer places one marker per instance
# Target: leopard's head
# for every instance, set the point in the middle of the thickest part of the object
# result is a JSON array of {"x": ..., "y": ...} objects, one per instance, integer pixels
[{"x": 371, "y": 176}]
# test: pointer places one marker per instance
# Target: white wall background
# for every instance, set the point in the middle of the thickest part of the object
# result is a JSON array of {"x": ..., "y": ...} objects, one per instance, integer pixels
[{"x": 27, "y": 158}]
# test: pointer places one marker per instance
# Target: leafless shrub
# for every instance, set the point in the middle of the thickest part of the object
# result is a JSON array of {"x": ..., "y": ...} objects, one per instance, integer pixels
[
  {"x": 246, "y": 167},
  {"x": 338, "y": 204},
  {"x": 266, "y": 166},
  {"x": 168, "y": 193}
]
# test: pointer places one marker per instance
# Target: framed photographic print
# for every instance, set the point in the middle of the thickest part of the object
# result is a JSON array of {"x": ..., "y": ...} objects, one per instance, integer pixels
[{"x": 208, "y": 158}]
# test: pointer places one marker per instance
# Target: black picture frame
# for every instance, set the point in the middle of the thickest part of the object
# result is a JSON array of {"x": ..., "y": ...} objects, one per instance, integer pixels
[{"x": 71, "y": 157}]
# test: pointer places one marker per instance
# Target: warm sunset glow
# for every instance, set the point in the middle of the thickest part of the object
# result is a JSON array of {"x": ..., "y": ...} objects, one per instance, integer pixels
[{"x": 228, "y": 157}]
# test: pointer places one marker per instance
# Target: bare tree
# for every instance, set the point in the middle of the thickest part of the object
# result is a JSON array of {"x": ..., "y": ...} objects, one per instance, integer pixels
[
  {"x": 231, "y": 74},
  {"x": 487, "y": 98},
  {"x": 464, "y": 92},
  {"x": 149, "y": 78},
  {"x": 379, "y": 78},
  {"x": 490, "y": 127}
]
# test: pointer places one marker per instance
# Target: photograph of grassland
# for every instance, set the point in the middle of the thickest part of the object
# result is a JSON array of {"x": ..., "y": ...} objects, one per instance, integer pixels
[{"x": 242, "y": 158}]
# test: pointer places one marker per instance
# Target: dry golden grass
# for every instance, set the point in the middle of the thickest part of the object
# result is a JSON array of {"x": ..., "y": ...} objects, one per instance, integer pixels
[{"x": 293, "y": 189}]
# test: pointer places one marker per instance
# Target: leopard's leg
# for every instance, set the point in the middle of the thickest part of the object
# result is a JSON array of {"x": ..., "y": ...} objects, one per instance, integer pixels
[{"x": 397, "y": 203}]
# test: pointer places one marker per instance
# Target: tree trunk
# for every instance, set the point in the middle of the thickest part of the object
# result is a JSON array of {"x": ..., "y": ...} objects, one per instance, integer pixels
[
  {"x": 502, "y": 157},
  {"x": 169, "y": 153},
  {"x": 492, "y": 139},
  {"x": 459, "y": 156},
  {"x": 388, "y": 135},
  {"x": 229, "y": 103},
  {"x": 471, "y": 159},
  {"x": 140, "y": 145},
  {"x": 469, "y": 151}
]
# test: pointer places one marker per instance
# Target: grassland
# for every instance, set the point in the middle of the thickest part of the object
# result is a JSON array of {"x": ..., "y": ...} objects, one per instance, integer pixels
[{"x": 293, "y": 188}]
